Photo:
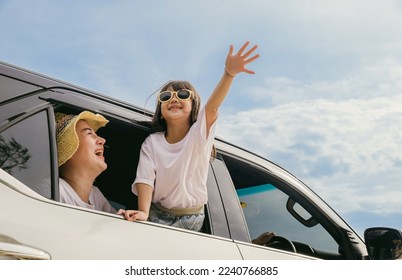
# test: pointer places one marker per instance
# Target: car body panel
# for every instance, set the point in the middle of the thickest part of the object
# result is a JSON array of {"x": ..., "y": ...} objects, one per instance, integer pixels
[{"x": 255, "y": 252}]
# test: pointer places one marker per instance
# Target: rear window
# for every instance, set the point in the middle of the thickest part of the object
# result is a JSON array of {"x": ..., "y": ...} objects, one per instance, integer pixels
[{"x": 25, "y": 152}]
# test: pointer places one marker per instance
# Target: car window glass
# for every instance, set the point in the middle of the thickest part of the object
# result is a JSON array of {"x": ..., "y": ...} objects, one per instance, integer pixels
[
  {"x": 25, "y": 153},
  {"x": 264, "y": 207}
]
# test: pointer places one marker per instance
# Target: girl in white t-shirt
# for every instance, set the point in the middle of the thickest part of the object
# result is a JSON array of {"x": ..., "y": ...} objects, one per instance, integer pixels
[{"x": 173, "y": 165}]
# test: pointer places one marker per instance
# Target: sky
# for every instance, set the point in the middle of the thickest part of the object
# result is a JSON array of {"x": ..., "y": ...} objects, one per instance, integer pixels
[{"x": 324, "y": 102}]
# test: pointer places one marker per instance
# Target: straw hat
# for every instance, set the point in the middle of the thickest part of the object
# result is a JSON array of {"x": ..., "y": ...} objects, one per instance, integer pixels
[{"x": 66, "y": 136}]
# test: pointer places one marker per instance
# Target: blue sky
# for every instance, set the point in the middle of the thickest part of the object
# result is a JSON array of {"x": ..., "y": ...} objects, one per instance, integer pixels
[{"x": 325, "y": 102}]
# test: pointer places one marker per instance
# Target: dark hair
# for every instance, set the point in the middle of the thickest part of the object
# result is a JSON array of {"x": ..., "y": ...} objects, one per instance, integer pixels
[{"x": 159, "y": 123}]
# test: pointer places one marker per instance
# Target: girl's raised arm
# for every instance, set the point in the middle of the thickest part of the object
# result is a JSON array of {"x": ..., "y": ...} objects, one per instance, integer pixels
[{"x": 234, "y": 64}]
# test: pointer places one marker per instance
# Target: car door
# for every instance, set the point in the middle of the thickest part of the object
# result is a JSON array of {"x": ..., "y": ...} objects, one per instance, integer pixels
[{"x": 271, "y": 200}]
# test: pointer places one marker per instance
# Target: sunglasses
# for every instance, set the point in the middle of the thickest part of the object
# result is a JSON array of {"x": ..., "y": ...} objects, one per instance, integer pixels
[{"x": 182, "y": 94}]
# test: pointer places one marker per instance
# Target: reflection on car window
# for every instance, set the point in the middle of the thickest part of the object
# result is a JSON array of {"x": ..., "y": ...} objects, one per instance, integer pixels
[
  {"x": 25, "y": 153},
  {"x": 264, "y": 207}
]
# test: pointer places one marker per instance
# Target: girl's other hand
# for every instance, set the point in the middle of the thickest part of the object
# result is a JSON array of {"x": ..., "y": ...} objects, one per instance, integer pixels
[{"x": 133, "y": 215}]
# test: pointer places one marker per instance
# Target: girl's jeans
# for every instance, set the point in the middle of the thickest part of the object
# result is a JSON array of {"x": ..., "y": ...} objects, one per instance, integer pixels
[{"x": 191, "y": 222}]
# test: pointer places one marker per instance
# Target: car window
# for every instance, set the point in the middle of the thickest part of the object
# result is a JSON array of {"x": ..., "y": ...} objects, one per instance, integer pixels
[
  {"x": 25, "y": 152},
  {"x": 264, "y": 206}
]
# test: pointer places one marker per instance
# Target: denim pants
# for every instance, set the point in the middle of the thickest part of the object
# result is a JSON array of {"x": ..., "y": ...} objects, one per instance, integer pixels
[{"x": 191, "y": 222}]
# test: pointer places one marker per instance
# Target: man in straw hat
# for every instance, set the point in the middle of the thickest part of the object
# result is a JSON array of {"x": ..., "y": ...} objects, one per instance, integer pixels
[{"x": 80, "y": 155}]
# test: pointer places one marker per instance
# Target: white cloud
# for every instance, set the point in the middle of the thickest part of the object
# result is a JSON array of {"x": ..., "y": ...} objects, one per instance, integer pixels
[{"x": 379, "y": 78}]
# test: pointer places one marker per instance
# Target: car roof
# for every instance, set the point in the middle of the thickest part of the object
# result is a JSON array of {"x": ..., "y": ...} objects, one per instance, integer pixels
[{"x": 31, "y": 81}]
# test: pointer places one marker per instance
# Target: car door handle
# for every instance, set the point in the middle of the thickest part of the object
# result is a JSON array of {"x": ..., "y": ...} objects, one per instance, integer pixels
[{"x": 10, "y": 248}]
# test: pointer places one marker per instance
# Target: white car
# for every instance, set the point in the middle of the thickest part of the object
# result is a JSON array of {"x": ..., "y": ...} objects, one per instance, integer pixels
[{"x": 248, "y": 195}]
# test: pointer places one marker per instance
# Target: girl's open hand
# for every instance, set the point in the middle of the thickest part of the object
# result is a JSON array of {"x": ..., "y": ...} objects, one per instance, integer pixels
[{"x": 236, "y": 63}]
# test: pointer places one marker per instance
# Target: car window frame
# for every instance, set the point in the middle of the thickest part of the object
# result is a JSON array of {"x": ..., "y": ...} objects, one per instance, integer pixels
[{"x": 216, "y": 219}]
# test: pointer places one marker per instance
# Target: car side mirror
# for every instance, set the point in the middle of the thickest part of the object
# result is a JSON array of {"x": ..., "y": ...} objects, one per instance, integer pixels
[{"x": 383, "y": 243}]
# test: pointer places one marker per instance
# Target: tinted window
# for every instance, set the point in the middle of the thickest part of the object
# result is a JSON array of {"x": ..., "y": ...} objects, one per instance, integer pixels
[
  {"x": 25, "y": 152},
  {"x": 265, "y": 208}
]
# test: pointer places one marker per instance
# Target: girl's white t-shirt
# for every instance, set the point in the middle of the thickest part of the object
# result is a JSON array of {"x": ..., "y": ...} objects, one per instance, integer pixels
[
  {"x": 97, "y": 200},
  {"x": 177, "y": 172}
]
